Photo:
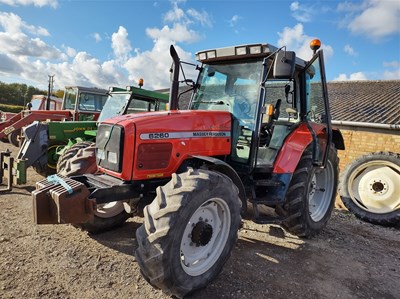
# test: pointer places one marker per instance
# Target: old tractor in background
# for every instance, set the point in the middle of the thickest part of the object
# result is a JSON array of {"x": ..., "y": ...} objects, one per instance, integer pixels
[
  {"x": 257, "y": 131},
  {"x": 46, "y": 145},
  {"x": 38, "y": 102},
  {"x": 79, "y": 103}
]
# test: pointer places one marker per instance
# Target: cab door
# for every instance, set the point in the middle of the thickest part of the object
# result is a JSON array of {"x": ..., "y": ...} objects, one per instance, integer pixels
[{"x": 316, "y": 107}]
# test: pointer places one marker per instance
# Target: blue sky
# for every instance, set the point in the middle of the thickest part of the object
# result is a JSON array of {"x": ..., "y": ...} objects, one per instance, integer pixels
[{"x": 114, "y": 43}]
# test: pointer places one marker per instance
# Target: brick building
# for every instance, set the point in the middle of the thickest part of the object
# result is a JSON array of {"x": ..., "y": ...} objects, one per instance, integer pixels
[{"x": 368, "y": 115}]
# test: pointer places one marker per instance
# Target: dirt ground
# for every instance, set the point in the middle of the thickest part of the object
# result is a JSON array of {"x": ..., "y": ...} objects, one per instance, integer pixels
[{"x": 349, "y": 259}]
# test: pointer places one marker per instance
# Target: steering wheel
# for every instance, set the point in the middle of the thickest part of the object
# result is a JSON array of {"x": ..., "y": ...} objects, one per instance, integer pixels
[{"x": 241, "y": 107}]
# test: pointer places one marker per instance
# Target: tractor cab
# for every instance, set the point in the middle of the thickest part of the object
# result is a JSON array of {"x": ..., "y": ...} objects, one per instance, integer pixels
[
  {"x": 84, "y": 103},
  {"x": 132, "y": 100},
  {"x": 269, "y": 92}
]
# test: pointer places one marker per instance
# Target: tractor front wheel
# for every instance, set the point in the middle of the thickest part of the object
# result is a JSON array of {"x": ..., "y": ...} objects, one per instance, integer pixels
[
  {"x": 80, "y": 159},
  {"x": 189, "y": 231},
  {"x": 14, "y": 137},
  {"x": 311, "y": 195}
]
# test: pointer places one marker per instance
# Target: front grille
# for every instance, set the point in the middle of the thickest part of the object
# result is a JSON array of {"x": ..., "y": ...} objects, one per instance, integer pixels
[{"x": 109, "y": 147}]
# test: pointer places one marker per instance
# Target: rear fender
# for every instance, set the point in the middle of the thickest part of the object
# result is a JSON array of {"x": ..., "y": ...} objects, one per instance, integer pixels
[{"x": 292, "y": 150}]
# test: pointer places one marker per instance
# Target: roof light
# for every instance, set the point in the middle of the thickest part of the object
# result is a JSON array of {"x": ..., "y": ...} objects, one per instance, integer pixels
[
  {"x": 315, "y": 44},
  {"x": 255, "y": 49},
  {"x": 111, "y": 89},
  {"x": 141, "y": 81},
  {"x": 211, "y": 54},
  {"x": 241, "y": 51},
  {"x": 128, "y": 88},
  {"x": 202, "y": 56}
]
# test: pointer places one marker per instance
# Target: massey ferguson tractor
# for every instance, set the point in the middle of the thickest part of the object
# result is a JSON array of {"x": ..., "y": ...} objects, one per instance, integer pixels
[{"x": 257, "y": 131}]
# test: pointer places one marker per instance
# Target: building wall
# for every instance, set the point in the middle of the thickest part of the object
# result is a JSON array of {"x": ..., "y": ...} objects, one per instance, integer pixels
[{"x": 360, "y": 141}]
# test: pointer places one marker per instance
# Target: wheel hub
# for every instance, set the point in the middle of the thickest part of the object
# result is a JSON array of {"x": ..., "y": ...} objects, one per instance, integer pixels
[
  {"x": 202, "y": 233},
  {"x": 378, "y": 187}
]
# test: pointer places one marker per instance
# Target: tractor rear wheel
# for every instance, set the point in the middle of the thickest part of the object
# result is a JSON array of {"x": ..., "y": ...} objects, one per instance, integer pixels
[
  {"x": 80, "y": 159},
  {"x": 189, "y": 231},
  {"x": 370, "y": 188},
  {"x": 311, "y": 195}
]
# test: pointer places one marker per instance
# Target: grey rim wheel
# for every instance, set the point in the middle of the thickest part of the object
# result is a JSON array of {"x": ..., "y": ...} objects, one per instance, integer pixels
[
  {"x": 320, "y": 192},
  {"x": 205, "y": 236}
]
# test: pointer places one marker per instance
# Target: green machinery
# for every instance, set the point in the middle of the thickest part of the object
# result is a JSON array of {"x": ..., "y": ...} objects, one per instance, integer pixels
[{"x": 44, "y": 142}]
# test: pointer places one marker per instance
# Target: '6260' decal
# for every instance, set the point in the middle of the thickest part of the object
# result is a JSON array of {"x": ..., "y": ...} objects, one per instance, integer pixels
[{"x": 191, "y": 134}]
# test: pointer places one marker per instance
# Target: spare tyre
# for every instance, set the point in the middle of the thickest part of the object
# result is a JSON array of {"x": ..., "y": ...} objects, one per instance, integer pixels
[{"x": 370, "y": 188}]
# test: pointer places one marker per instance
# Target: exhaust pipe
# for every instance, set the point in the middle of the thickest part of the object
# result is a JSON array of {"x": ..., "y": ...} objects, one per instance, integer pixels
[{"x": 173, "y": 94}]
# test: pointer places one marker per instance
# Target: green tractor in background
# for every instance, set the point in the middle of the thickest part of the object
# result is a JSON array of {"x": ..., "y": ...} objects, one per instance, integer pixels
[{"x": 67, "y": 146}]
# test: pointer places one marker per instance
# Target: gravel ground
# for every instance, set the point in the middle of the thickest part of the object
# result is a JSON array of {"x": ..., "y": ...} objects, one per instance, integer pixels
[{"x": 349, "y": 259}]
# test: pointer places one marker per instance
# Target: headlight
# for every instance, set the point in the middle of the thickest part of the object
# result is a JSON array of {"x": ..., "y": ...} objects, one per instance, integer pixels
[{"x": 109, "y": 147}]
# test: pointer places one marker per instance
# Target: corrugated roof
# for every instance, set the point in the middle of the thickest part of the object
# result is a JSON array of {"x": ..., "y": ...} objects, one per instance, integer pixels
[{"x": 365, "y": 101}]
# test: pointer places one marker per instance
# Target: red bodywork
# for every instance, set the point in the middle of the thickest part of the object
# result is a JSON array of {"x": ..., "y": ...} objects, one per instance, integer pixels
[
  {"x": 160, "y": 150},
  {"x": 27, "y": 117},
  {"x": 295, "y": 144}
]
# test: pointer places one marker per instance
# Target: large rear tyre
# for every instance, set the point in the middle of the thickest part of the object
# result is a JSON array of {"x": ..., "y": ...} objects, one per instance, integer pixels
[
  {"x": 311, "y": 195},
  {"x": 189, "y": 231},
  {"x": 370, "y": 188},
  {"x": 80, "y": 159}
]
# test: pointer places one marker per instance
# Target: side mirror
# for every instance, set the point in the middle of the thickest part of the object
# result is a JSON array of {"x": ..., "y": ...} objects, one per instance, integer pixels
[{"x": 284, "y": 65}]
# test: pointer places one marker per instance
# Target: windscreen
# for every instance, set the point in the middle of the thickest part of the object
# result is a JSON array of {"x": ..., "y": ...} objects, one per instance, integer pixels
[
  {"x": 231, "y": 87},
  {"x": 70, "y": 97}
]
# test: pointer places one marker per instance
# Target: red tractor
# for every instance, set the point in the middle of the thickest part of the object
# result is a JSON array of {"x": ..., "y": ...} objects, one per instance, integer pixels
[{"x": 258, "y": 131}]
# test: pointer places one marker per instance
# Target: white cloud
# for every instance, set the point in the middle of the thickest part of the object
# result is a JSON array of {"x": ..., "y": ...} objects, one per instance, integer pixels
[
  {"x": 349, "y": 50},
  {"x": 14, "y": 40},
  {"x": 394, "y": 72},
  {"x": 175, "y": 14},
  {"x": 178, "y": 33},
  {"x": 71, "y": 52},
  {"x": 121, "y": 44},
  {"x": 13, "y": 24},
  {"x": 32, "y": 59},
  {"x": 359, "y": 76},
  {"x": 38, "y": 3},
  {"x": 233, "y": 21},
  {"x": 375, "y": 19},
  {"x": 391, "y": 75},
  {"x": 9, "y": 65},
  {"x": 302, "y": 13},
  {"x": 296, "y": 40},
  {"x": 97, "y": 37},
  {"x": 202, "y": 17},
  {"x": 393, "y": 63}
]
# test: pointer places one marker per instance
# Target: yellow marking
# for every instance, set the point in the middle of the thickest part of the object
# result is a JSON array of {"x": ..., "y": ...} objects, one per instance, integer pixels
[
  {"x": 8, "y": 130},
  {"x": 155, "y": 175}
]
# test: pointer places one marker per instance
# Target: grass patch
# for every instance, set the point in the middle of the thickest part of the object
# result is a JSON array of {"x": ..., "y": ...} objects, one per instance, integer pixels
[{"x": 11, "y": 108}]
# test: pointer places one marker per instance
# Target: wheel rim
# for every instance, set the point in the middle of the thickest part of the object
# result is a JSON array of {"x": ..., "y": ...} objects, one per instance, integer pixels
[
  {"x": 321, "y": 192},
  {"x": 205, "y": 236},
  {"x": 52, "y": 156},
  {"x": 109, "y": 210},
  {"x": 374, "y": 185}
]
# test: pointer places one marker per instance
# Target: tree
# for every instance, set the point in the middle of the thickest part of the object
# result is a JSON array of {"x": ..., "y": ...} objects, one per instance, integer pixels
[{"x": 17, "y": 94}]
